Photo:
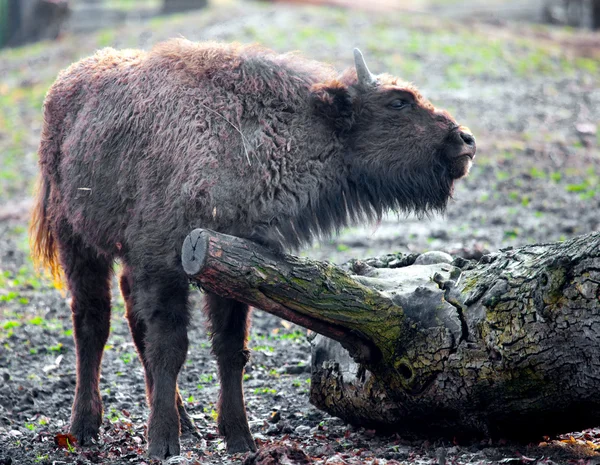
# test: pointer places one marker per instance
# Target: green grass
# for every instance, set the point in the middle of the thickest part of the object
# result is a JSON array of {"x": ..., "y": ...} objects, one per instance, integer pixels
[
  {"x": 205, "y": 380},
  {"x": 586, "y": 186},
  {"x": 11, "y": 324},
  {"x": 536, "y": 173},
  {"x": 265, "y": 391},
  {"x": 132, "y": 4},
  {"x": 264, "y": 348}
]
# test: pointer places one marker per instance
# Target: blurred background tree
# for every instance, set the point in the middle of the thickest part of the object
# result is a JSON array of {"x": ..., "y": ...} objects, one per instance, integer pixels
[{"x": 23, "y": 21}]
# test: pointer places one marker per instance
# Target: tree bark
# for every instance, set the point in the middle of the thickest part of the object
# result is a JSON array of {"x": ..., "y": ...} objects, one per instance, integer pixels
[{"x": 505, "y": 347}]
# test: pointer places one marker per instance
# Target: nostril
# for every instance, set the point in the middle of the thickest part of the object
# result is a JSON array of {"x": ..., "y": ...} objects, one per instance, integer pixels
[{"x": 467, "y": 138}]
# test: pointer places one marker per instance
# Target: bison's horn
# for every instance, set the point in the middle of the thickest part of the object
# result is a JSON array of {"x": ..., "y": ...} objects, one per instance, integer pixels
[{"x": 364, "y": 75}]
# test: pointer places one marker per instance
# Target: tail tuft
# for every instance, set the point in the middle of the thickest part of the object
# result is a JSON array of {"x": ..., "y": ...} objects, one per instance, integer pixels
[{"x": 41, "y": 239}]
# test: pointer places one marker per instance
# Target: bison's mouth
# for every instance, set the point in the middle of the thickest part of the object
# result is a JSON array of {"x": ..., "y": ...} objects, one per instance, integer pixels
[
  {"x": 460, "y": 153},
  {"x": 461, "y": 165}
]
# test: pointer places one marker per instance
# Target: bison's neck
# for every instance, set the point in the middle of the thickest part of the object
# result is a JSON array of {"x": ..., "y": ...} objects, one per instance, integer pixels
[
  {"x": 356, "y": 196},
  {"x": 340, "y": 201}
]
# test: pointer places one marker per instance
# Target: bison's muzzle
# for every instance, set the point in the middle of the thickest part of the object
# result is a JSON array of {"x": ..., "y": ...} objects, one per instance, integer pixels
[{"x": 460, "y": 150}]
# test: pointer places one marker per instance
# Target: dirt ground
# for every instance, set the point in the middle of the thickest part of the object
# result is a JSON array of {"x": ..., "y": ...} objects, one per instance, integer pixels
[{"x": 530, "y": 94}]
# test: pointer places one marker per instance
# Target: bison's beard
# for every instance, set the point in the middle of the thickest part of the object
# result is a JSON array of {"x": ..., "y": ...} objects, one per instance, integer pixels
[
  {"x": 421, "y": 191},
  {"x": 364, "y": 197}
]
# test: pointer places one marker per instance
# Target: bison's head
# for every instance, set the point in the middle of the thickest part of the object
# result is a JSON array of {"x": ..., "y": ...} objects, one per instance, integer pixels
[{"x": 402, "y": 152}]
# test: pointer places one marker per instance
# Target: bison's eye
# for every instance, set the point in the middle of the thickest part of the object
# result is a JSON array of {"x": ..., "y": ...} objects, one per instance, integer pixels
[{"x": 399, "y": 104}]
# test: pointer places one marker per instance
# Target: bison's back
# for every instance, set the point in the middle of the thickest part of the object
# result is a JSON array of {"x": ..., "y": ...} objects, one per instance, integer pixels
[{"x": 152, "y": 141}]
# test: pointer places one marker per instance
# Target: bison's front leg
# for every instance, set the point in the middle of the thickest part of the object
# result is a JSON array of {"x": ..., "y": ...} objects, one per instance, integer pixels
[
  {"x": 229, "y": 326},
  {"x": 138, "y": 332},
  {"x": 162, "y": 303}
]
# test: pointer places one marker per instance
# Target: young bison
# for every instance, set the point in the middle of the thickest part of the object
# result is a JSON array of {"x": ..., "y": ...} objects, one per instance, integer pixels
[{"x": 140, "y": 148}]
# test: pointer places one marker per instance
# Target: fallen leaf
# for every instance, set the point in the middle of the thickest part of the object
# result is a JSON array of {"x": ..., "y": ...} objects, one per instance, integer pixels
[
  {"x": 571, "y": 440},
  {"x": 65, "y": 441}
]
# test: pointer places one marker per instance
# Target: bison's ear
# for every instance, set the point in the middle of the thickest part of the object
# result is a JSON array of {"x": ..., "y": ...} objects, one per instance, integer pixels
[{"x": 333, "y": 102}]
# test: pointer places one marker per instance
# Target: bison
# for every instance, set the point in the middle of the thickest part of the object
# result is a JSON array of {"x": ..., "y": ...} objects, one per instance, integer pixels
[{"x": 139, "y": 148}]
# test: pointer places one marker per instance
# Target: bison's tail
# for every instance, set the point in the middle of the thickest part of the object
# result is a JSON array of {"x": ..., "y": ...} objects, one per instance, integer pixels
[{"x": 42, "y": 242}]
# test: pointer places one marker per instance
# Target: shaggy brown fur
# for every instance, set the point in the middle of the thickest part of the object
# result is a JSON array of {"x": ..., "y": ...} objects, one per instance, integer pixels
[{"x": 139, "y": 148}]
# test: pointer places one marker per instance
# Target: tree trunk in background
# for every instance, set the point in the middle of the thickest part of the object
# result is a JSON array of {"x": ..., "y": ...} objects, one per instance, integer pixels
[
  {"x": 179, "y": 6},
  {"x": 596, "y": 14},
  {"x": 11, "y": 20},
  {"x": 505, "y": 347},
  {"x": 32, "y": 20},
  {"x": 576, "y": 13}
]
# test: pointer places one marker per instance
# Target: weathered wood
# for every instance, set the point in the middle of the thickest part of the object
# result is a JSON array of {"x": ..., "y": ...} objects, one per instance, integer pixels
[
  {"x": 505, "y": 347},
  {"x": 247, "y": 272}
]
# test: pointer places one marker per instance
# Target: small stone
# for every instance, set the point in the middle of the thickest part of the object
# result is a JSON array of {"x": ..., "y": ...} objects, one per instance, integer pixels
[
  {"x": 67, "y": 341},
  {"x": 177, "y": 460},
  {"x": 272, "y": 430},
  {"x": 394, "y": 263},
  {"x": 320, "y": 450},
  {"x": 336, "y": 460},
  {"x": 302, "y": 429},
  {"x": 440, "y": 234},
  {"x": 256, "y": 425},
  {"x": 433, "y": 257},
  {"x": 315, "y": 415},
  {"x": 296, "y": 369},
  {"x": 27, "y": 398},
  {"x": 460, "y": 262},
  {"x": 286, "y": 428},
  {"x": 397, "y": 455},
  {"x": 586, "y": 128}
]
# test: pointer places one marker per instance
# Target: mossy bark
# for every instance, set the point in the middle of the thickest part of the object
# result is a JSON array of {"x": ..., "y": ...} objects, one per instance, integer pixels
[{"x": 503, "y": 347}]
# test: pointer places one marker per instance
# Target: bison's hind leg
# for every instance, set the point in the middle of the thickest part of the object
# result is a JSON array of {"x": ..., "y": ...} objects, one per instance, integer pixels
[
  {"x": 138, "y": 332},
  {"x": 88, "y": 277}
]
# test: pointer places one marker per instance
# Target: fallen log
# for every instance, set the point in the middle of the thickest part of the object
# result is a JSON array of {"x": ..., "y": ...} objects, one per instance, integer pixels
[{"x": 505, "y": 347}]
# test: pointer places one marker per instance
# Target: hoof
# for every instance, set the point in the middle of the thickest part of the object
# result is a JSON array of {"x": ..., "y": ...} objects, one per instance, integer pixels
[
  {"x": 240, "y": 443},
  {"x": 163, "y": 436},
  {"x": 86, "y": 418},
  {"x": 163, "y": 448},
  {"x": 84, "y": 432}
]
